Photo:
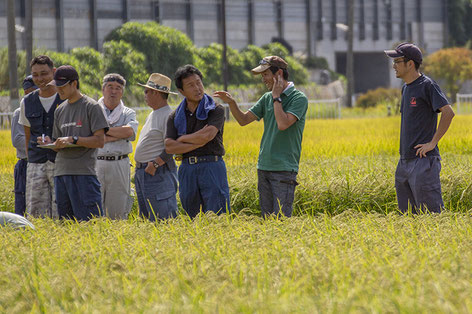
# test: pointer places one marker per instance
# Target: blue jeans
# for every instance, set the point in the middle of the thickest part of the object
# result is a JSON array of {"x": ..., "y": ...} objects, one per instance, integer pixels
[
  {"x": 276, "y": 191},
  {"x": 20, "y": 186},
  {"x": 156, "y": 194},
  {"x": 78, "y": 196},
  {"x": 204, "y": 186}
]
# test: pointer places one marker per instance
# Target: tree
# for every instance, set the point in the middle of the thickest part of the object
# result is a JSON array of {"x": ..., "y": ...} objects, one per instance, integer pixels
[
  {"x": 453, "y": 65},
  {"x": 164, "y": 48}
]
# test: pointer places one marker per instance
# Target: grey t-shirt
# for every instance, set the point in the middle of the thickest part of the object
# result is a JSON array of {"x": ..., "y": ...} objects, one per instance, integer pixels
[
  {"x": 151, "y": 139},
  {"x": 421, "y": 101},
  {"x": 82, "y": 118}
]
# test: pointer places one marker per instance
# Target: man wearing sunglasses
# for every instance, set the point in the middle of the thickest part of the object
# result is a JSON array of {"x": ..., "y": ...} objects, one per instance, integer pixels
[
  {"x": 417, "y": 175},
  {"x": 283, "y": 110},
  {"x": 113, "y": 165}
]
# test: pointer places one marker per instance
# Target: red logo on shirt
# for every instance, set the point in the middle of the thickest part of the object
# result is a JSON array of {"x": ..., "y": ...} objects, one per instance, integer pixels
[
  {"x": 413, "y": 102},
  {"x": 79, "y": 124}
]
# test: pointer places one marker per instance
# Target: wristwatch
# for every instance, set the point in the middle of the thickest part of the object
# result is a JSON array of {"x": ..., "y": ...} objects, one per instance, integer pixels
[
  {"x": 277, "y": 99},
  {"x": 75, "y": 138},
  {"x": 155, "y": 164}
]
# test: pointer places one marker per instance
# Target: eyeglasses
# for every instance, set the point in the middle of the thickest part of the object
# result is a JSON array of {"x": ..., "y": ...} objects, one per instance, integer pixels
[{"x": 399, "y": 61}]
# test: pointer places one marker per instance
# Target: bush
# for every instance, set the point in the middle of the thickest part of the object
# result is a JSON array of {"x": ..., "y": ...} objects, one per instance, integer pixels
[
  {"x": 164, "y": 48},
  {"x": 372, "y": 98},
  {"x": 120, "y": 57},
  {"x": 91, "y": 65},
  {"x": 316, "y": 63},
  {"x": 4, "y": 71}
]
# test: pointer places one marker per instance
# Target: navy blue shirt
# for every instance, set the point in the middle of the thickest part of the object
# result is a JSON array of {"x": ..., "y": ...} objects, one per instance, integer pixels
[{"x": 421, "y": 101}]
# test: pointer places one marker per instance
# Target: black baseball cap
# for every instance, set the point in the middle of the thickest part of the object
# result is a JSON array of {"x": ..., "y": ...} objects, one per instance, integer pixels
[
  {"x": 28, "y": 83},
  {"x": 63, "y": 75},
  {"x": 406, "y": 50}
]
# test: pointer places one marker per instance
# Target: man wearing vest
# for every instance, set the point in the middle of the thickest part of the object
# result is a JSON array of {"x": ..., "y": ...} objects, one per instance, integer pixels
[
  {"x": 283, "y": 109},
  {"x": 37, "y": 116},
  {"x": 113, "y": 166}
]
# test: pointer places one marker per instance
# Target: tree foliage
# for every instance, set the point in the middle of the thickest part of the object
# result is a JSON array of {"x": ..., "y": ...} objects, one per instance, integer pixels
[
  {"x": 164, "y": 48},
  {"x": 453, "y": 65}
]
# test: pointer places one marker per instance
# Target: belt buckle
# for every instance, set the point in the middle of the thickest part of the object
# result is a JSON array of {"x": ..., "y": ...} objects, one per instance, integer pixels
[{"x": 192, "y": 160}]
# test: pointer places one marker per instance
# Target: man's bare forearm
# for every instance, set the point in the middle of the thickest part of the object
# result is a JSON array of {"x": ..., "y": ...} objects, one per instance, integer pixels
[
  {"x": 176, "y": 147},
  {"x": 121, "y": 132}
]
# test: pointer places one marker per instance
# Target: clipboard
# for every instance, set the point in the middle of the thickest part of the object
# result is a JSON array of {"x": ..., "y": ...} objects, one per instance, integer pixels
[{"x": 53, "y": 146}]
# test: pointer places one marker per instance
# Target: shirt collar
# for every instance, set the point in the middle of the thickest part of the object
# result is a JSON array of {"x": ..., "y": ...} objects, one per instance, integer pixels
[{"x": 289, "y": 88}]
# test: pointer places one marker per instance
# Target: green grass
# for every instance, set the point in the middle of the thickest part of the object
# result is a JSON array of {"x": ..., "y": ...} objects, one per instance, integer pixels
[
  {"x": 346, "y": 250},
  {"x": 351, "y": 262}
]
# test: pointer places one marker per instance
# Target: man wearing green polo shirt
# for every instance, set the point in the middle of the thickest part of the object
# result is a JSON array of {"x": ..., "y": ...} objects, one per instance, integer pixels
[{"x": 283, "y": 109}]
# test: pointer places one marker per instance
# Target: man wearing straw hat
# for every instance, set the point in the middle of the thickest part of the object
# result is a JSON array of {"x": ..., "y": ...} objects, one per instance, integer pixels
[
  {"x": 113, "y": 165},
  {"x": 156, "y": 175},
  {"x": 283, "y": 109}
]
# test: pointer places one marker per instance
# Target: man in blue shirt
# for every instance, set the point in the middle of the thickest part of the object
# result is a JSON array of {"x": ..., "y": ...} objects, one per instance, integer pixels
[
  {"x": 417, "y": 176},
  {"x": 19, "y": 142}
]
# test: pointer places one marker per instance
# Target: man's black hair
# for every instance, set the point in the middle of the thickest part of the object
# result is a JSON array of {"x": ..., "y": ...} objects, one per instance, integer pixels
[
  {"x": 184, "y": 72},
  {"x": 42, "y": 60},
  {"x": 274, "y": 69}
]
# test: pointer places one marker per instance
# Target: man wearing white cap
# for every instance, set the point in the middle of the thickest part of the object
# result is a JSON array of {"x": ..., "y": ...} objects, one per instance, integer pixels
[
  {"x": 113, "y": 165},
  {"x": 156, "y": 175}
]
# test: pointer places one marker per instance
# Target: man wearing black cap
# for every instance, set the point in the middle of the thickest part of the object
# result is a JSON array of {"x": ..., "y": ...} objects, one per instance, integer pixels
[
  {"x": 283, "y": 109},
  {"x": 417, "y": 176},
  {"x": 79, "y": 121},
  {"x": 37, "y": 116},
  {"x": 18, "y": 140}
]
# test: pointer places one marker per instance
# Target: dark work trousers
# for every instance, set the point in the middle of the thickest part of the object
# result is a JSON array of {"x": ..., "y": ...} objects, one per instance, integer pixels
[
  {"x": 418, "y": 186},
  {"x": 78, "y": 196},
  {"x": 156, "y": 194},
  {"x": 276, "y": 191},
  {"x": 20, "y": 186},
  {"x": 204, "y": 186}
]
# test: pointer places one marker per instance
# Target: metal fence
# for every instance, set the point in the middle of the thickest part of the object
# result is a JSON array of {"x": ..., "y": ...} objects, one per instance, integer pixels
[
  {"x": 464, "y": 103},
  {"x": 317, "y": 109},
  {"x": 5, "y": 120}
]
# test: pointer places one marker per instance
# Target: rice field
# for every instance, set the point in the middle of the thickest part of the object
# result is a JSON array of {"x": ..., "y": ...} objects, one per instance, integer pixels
[{"x": 346, "y": 249}]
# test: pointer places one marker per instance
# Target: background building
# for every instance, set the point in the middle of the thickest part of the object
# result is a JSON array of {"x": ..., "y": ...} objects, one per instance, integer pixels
[{"x": 310, "y": 27}]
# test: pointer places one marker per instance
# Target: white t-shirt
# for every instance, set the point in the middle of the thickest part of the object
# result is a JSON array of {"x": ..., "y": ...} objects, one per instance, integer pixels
[{"x": 45, "y": 101}]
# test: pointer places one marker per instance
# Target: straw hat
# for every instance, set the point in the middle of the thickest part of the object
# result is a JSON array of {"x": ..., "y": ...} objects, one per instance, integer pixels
[{"x": 159, "y": 82}]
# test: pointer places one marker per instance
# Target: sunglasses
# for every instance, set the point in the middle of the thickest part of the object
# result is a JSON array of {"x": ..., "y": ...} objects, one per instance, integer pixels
[
  {"x": 114, "y": 79},
  {"x": 159, "y": 87}
]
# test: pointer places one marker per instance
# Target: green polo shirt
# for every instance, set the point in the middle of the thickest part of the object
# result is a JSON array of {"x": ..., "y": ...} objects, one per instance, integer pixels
[{"x": 280, "y": 150}]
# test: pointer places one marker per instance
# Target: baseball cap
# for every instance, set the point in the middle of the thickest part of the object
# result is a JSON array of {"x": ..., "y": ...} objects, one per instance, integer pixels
[
  {"x": 406, "y": 50},
  {"x": 28, "y": 83},
  {"x": 63, "y": 75},
  {"x": 269, "y": 61}
]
